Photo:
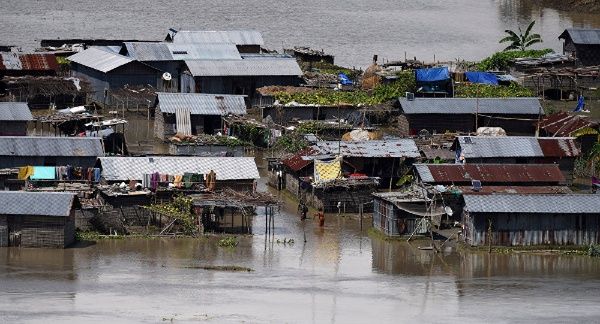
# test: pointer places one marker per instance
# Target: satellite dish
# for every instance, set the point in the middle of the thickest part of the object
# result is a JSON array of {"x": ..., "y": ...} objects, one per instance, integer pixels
[
  {"x": 449, "y": 211},
  {"x": 167, "y": 76}
]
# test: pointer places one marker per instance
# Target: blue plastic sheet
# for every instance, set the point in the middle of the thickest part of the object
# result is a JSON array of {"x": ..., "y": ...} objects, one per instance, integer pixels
[
  {"x": 433, "y": 74},
  {"x": 344, "y": 79},
  {"x": 43, "y": 173},
  {"x": 482, "y": 77}
]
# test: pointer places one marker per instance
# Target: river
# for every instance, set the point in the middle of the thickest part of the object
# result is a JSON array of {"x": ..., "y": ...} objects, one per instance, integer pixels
[{"x": 352, "y": 30}]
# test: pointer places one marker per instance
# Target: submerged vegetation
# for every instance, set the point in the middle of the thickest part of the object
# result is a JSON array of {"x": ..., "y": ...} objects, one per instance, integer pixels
[
  {"x": 179, "y": 208},
  {"x": 228, "y": 242}
]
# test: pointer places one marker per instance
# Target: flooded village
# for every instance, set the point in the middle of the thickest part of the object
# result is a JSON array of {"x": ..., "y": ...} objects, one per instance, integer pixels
[{"x": 203, "y": 176}]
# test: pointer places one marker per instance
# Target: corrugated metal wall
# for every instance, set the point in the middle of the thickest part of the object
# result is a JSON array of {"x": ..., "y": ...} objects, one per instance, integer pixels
[
  {"x": 532, "y": 229},
  {"x": 394, "y": 222}
]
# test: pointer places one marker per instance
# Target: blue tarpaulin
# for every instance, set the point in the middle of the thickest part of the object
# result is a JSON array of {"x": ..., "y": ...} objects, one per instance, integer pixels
[
  {"x": 482, "y": 77},
  {"x": 344, "y": 79},
  {"x": 432, "y": 75}
]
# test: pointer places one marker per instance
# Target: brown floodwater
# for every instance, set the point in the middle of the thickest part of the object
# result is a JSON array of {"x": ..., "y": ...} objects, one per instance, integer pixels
[{"x": 339, "y": 275}]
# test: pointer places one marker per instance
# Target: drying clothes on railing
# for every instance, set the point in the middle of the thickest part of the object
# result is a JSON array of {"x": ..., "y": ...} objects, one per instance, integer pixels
[
  {"x": 25, "y": 172},
  {"x": 60, "y": 173},
  {"x": 155, "y": 180}
]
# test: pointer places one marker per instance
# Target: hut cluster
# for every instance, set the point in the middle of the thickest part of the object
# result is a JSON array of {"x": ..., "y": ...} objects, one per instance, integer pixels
[{"x": 74, "y": 156}]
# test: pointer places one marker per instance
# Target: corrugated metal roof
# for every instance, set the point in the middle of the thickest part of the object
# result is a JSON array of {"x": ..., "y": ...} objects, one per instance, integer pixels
[
  {"x": 245, "y": 67},
  {"x": 582, "y": 36},
  {"x": 38, "y": 62},
  {"x": 564, "y": 124},
  {"x": 146, "y": 51},
  {"x": 108, "y": 48},
  {"x": 489, "y": 173},
  {"x": 206, "y": 51},
  {"x": 15, "y": 111},
  {"x": 237, "y": 37},
  {"x": 51, "y": 146},
  {"x": 202, "y": 103},
  {"x": 100, "y": 60},
  {"x": 227, "y": 168},
  {"x": 487, "y": 190},
  {"x": 513, "y": 106},
  {"x": 57, "y": 204},
  {"x": 296, "y": 163},
  {"x": 373, "y": 149},
  {"x": 547, "y": 204},
  {"x": 517, "y": 146}
]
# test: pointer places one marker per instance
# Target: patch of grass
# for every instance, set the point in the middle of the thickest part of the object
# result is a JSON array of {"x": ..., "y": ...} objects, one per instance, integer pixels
[{"x": 228, "y": 242}]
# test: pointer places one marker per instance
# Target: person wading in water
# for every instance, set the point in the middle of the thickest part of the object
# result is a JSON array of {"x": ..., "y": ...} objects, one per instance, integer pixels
[
  {"x": 302, "y": 209},
  {"x": 321, "y": 216}
]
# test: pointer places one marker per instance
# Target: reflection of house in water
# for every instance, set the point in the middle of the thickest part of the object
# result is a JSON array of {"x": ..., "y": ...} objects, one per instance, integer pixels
[
  {"x": 396, "y": 257},
  {"x": 31, "y": 219}
]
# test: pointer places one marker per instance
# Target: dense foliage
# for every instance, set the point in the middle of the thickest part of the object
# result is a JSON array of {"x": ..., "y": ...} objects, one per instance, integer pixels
[
  {"x": 181, "y": 209},
  {"x": 326, "y": 97},
  {"x": 291, "y": 143},
  {"x": 477, "y": 90},
  {"x": 500, "y": 61}
]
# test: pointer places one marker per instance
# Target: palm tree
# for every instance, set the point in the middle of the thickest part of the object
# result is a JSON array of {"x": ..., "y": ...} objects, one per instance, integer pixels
[{"x": 521, "y": 41}]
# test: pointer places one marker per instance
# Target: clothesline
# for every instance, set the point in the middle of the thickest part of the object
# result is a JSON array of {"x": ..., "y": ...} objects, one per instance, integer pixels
[{"x": 61, "y": 173}]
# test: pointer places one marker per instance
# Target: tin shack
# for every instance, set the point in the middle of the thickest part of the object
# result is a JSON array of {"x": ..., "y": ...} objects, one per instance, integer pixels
[
  {"x": 194, "y": 113},
  {"x": 518, "y": 220},
  {"x": 37, "y": 219},
  {"x": 14, "y": 117},
  {"x": 518, "y": 150},
  {"x": 583, "y": 44},
  {"x": 517, "y": 116},
  {"x": 18, "y": 151},
  {"x": 108, "y": 71}
]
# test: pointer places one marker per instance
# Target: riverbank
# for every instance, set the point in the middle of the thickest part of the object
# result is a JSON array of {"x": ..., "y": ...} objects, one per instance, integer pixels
[{"x": 587, "y": 6}]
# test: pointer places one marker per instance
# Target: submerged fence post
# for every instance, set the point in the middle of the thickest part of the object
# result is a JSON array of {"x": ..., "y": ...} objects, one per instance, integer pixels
[{"x": 361, "y": 206}]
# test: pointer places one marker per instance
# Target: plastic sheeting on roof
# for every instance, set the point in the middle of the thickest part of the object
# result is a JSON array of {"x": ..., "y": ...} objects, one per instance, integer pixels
[
  {"x": 432, "y": 75},
  {"x": 202, "y": 103},
  {"x": 482, "y": 77}
]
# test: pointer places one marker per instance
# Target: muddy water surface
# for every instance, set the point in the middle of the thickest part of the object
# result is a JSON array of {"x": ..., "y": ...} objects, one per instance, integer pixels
[{"x": 339, "y": 275}]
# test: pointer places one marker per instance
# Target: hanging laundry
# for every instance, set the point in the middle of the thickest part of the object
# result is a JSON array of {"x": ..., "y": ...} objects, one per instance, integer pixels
[
  {"x": 25, "y": 172},
  {"x": 43, "y": 173},
  {"x": 97, "y": 174},
  {"x": 177, "y": 181}
]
